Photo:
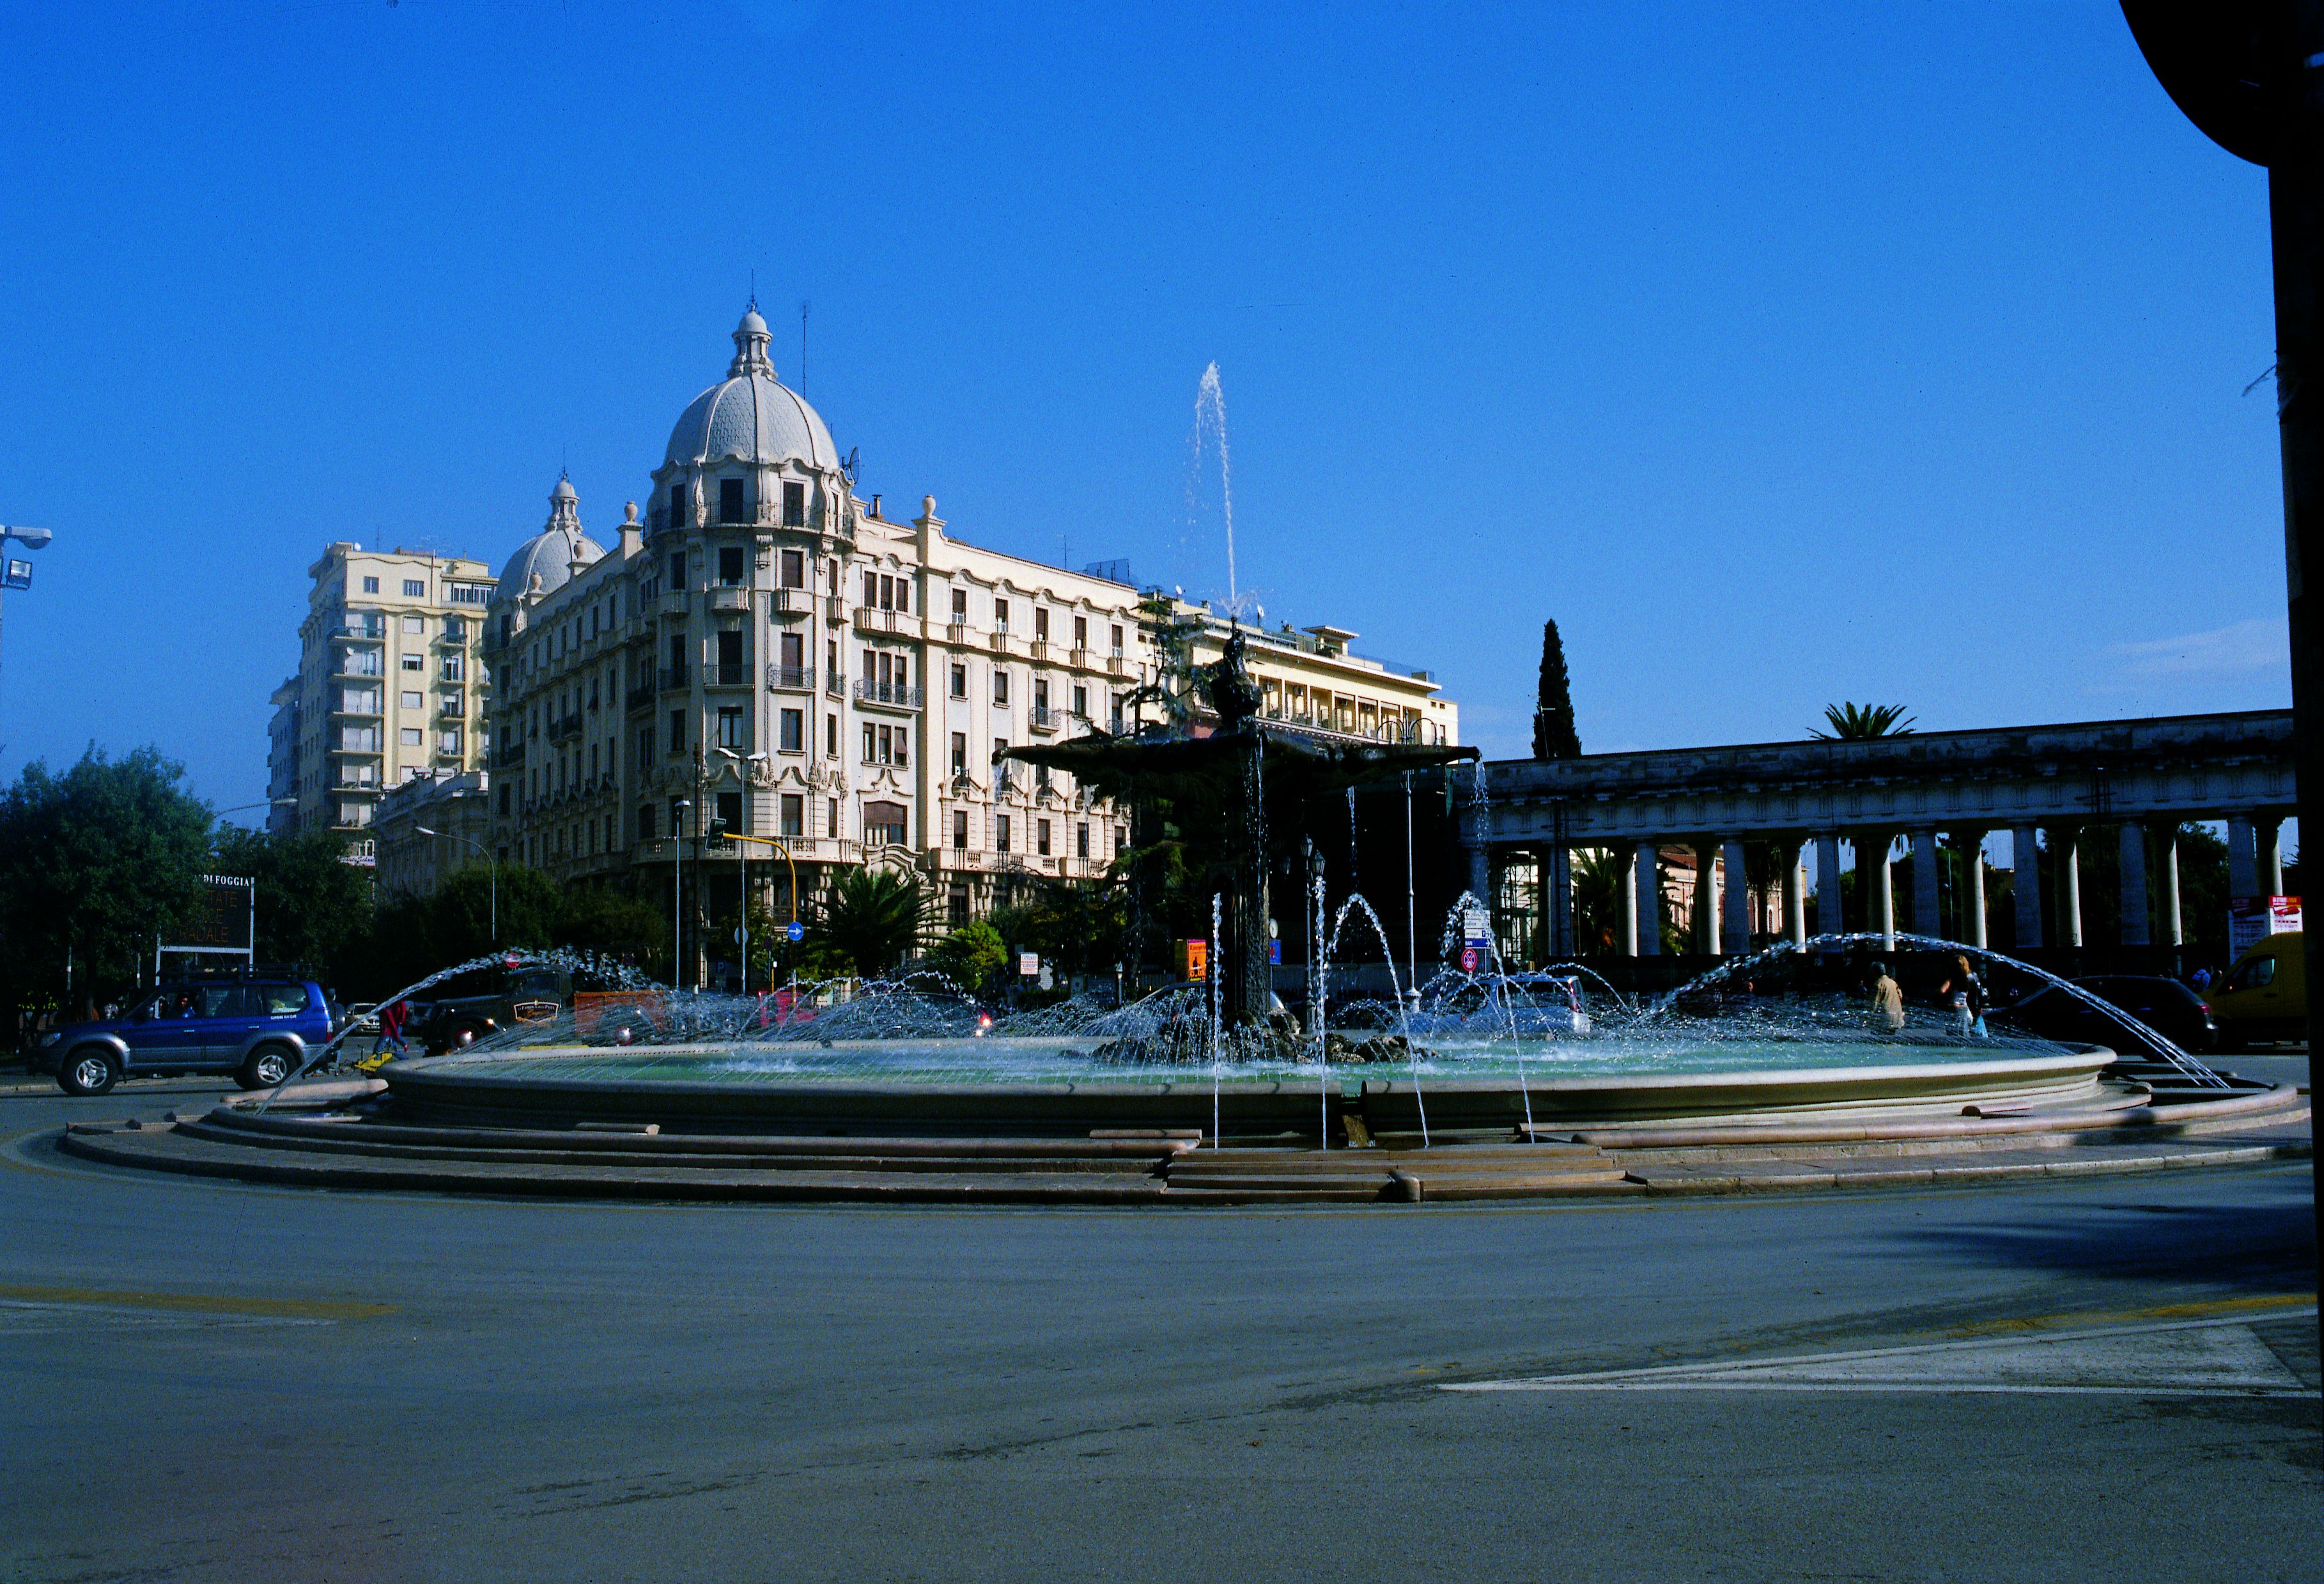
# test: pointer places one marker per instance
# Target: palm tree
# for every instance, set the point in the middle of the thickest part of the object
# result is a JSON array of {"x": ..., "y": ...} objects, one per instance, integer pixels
[
  {"x": 870, "y": 916},
  {"x": 1853, "y": 722}
]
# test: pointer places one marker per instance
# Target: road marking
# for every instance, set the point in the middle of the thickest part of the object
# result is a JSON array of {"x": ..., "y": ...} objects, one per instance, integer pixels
[
  {"x": 2183, "y": 1358},
  {"x": 2195, "y": 1309},
  {"x": 194, "y": 1303}
]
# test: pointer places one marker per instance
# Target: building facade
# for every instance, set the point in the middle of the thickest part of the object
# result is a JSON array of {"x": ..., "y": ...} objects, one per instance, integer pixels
[
  {"x": 425, "y": 828},
  {"x": 389, "y": 685},
  {"x": 763, "y": 651}
]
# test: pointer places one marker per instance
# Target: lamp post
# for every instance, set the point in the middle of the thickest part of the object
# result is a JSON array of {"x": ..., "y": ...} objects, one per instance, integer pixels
[
  {"x": 15, "y": 574},
  {"x": 742, "y": 861},
  {"x": 677, "y": 883},
  {"x": 490, "y": 860}
]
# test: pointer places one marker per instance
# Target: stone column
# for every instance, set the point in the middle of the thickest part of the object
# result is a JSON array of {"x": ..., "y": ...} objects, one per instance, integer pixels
[
  {"x": 1625, "y": 938},
  {"x": 1736, "y": 899},
  {"x": 2026, "y": 883},
  {"x": 1706, "y": 899},
  {"x": 1973, "y": 881},
  {"x": 2132, "y": 837},
  {"x": 1646, "y": 887},
  {"x": 1557, "y": 880},
  {"x": 2267, "y": 833},
  {"x": 1883, "y": 891},
  {"x": 2242, "y": 865},
  {"x": 1795, "y": 895},
  {"x": 1829, "y": 920},
  {"x": 2166, "y": 853},
  {"x": 2068, "y": 849},
  {"x": 1928, "y": 919}
]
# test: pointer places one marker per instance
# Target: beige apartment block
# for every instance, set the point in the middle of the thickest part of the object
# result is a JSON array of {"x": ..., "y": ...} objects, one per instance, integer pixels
[
  {"x": 759, "y": 650},
  {"x": 390, "y": 686}
]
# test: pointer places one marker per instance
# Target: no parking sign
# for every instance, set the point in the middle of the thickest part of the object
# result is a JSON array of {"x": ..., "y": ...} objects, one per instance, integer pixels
[{"x": 1468, "y": 959}]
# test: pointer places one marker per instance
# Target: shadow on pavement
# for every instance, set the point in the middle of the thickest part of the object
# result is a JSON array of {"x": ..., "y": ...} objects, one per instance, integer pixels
[{"x": 2229, "y": 1250}]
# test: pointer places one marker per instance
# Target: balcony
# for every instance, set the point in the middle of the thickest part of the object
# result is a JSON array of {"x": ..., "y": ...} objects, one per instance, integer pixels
[
  {"x": 1078, "y": 659},
  {"x": 675, "y": 679},
  {"x": 365, "y": 704},
  {"x": 868, "y": 620},
  {"x": 358, "y": 632},
  {"x": 836, "y": 684},
  {"x": 997, "y": 641},
  {"x": 796, "y": 678},
  {"x": 565, "y": 730},
  {"x": 675, "y": 604},
  {"x": 1039, "y": 648},
  {"x": 510, "y": 758},
  {"x": 452, "y": 706},
  {"x": 901, "y": 696},
  {"x": 1116, "y": 666},
  {"x": 361, "y": 665},
  {"x": 726, "y": 674},
  {"x": 788, "y": 601},
  {"x": 638, "y": 698},
  {"x": 1046, "y": 719}
]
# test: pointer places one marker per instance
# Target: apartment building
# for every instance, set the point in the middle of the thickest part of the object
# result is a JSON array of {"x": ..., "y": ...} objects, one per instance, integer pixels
[{"x": 389, "y": 685}]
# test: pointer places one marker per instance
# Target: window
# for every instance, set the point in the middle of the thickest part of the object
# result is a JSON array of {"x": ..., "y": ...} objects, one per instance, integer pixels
[
  {"x": 505, "y": 799},
  {"x": 1000, "y": 688},
  {"x": 414, "y": 663},
  {"x": 904, "y": 594},
  {"x": 831, "y": 735},
  {"x": 1001, "y": 833},
  {"x": 414, "y": 701},
  {"x": 455, "y": 667},
  {"x": 1117, "y": 638},
  {"x": 1000, "y": 747},
  {"x": 794, "y": 731},
  {"x": 960, "y": 830},
  {"x": 794, "y": 812},
  {"x": 645, "y": 746},
  {"x": 455, "y": 630},
  {"x": 676, "y": 732},
  {"x": 730, "y": 501},
  {"x": 959, "y": 679},
  {"x": 1081, "y": 632},
  {"x": 870, "y": 742},
  {"x": 676, "y": 519},
  {"x": 414, "y": 624},
  {"x": 1041, "y": 837},
  {"x": 1040, "y": 698},
  {"x": 472, "y": 593},
  {"x": 677, "y": 570},
  {"x": 730, "y": 657},
  {"x": 1081, "y": 839},
  {"x": 795, "y": 569},
  {"x": 871, "y": 589},
  {"x": 833, "y": 568},
  {"x": 794, "y": 505},
  {"x": 645, "y": 821},
  {"x": 886, "y": 593},
  {"x": 960, "y": 753},
  {"x": 1081, "y": 702},
  {"x": 730, "y": 565},
  {"x": 957, "y": 903},
  {"x": 730, "y": 811},
  {"x": 831, "y": 817},
  {"x": 411, "y": 737},
  {"x": 1040, "y": 624},
  {"x": 2253, "y": 974},
  {"x": 448, "y": 740},
  {"x": 885, "y": 822},
  {"x": 1121, "y": 839},
  {"x": 1000, "y": 615},
  {"x": 414, "y": 589},
  {"x": 791, "y": 648},
  {"x": 960, "y": 607},
  {"x": 733, "y": 733},
  {"x": 371, "y": 585},
  {"x": 886, "y": 745}
]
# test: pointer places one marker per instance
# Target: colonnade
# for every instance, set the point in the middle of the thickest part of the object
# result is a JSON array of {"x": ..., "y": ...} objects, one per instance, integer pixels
[{"x": 1722, "y": 902}]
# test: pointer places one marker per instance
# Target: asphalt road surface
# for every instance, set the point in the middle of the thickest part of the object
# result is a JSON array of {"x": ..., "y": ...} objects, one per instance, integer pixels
[{"x": 208, "y": 1381}]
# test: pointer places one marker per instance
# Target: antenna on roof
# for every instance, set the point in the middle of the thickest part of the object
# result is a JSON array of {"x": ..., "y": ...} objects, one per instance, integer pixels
[
  {"x": 803, "y": 307},
  {"x": 755, "y": 286}
]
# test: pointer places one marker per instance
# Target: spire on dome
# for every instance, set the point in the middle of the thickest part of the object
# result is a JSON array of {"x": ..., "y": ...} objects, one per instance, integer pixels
[
  {"x": 751, "y": 343},
  {"x": 564, "y": 505}
]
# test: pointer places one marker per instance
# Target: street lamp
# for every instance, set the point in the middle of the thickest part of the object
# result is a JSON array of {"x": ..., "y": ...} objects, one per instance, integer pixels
[
  {"x": 742, "y": 862},
  {"x": 15, "y": 574},
  {"x": 677, "y": 883},
  {"x": 490, "y": 860}
]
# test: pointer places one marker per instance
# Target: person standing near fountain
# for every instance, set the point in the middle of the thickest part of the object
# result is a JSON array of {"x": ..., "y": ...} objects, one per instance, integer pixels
[
  {"x": 1888, "y": 1002},
  {"x": 1966, "y": 997}
]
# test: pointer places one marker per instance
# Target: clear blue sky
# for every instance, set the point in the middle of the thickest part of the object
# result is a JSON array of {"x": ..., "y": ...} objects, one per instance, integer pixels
[{"x": 1828, "y": 353}]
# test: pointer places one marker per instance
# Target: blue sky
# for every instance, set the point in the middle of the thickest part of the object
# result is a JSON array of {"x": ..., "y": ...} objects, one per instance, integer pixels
[{"x": 1883, "y": 354}]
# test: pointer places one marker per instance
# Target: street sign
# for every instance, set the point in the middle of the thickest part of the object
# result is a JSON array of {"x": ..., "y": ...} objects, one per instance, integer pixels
[
  {"x": 1196, "y": 955},
  {"x": 2252, "y": 919},
  {"x": 796, "y": 930},
  {"x": 19, "y": 575},
  {"x": 1275, "y": 954},
  {"x": 1028, "y": 964},
  {"x": 1469, "y": 958}
]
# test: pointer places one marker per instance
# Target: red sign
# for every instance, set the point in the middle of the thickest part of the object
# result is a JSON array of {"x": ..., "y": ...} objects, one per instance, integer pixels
[{"x": 1468, "y": 959}]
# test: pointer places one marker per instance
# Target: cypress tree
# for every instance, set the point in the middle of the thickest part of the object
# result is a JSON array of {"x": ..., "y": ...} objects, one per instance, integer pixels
[{"x": 1554, "y": 736}]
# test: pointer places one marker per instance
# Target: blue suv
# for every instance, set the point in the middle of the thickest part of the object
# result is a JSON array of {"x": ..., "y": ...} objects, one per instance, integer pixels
[{"x": 259, "y": 1030}]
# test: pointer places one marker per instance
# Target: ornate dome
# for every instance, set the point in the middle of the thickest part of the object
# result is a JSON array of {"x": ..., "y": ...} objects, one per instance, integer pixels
[
  {"x": 751, "y": 414},
  {"x": 550, "y": 555}
]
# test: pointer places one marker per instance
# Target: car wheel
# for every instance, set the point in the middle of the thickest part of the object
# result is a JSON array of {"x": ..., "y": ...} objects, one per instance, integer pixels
[
  {"x": 88, "y": 1071},
  {"x": 265, "y": 1067}
]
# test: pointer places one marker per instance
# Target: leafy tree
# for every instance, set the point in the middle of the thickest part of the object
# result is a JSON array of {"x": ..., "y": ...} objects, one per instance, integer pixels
[
  {"x": 1075, "y": 927},
  {"x": 869, "y": 918},
  {"x": 93, "y": 862},
  {"x": 971, "y": 955},
  {"x": 313, "y": 908},
  {"x": 1854, "y": 723},
  {"x": 615, "y": 923},
  {"x": 1553, "y": 735}
]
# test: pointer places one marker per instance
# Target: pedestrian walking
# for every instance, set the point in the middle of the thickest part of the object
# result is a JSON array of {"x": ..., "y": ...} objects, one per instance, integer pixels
[
  {"x": 1887, "y": 1015},
  {"x": 1966, "y": 997},
  {"x": 391, "y": 1030}
]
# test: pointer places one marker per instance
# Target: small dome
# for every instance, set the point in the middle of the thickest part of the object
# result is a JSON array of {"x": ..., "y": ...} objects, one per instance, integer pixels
[
  {"x": 544, "y": 563},
  {"x": 751, "y": 414}
]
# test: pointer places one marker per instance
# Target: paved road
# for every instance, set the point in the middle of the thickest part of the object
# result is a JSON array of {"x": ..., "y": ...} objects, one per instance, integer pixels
[{"x": 206, "y": 1381}]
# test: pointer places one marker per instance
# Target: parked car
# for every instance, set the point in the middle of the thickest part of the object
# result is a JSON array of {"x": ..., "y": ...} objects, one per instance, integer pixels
[
  {"x": 258, "y": 1029},
  {"x": 2265, "y": 995},
  {"x": 466, "y": 1008},
  {"x": 2164, "y": 1005}
]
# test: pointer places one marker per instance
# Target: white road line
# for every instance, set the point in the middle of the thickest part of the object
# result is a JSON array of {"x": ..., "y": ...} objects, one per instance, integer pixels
[{"x": 2178, "y": 1359}]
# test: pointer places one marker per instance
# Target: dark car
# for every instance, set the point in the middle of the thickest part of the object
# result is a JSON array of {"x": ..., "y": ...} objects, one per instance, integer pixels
[
  {"x": 259, "y": 1030},
  {"x": 2164, "y": 1005},
  {"x": 465, "y": 1009}
]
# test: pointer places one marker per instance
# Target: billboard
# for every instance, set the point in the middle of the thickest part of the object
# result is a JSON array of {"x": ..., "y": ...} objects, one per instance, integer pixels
[{"x": 2251, "y": 919}]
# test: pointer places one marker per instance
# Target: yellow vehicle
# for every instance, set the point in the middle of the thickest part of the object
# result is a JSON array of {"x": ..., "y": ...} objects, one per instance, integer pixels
[{"x": 2264, "y": 996}]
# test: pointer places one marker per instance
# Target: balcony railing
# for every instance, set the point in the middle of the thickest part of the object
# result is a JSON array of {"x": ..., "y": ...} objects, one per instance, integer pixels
[
  {"x": 1046, "y": 719},
  {"x": 674, "y": 678},
  {"x": 1040, "y": 647},
  {"x": 902, "y": 696},
  {"x": 836, "y": 684},
  {"x": 560, "y": 731},
  {"x": 726, "y": 674},
  {"x": 509, "y": 757},
  {"x": 868, "y": 620},
  {"x": 358, "y": 631},
  {"x": 799, "y": 678},
  {"x": 640, "y": 695}
]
